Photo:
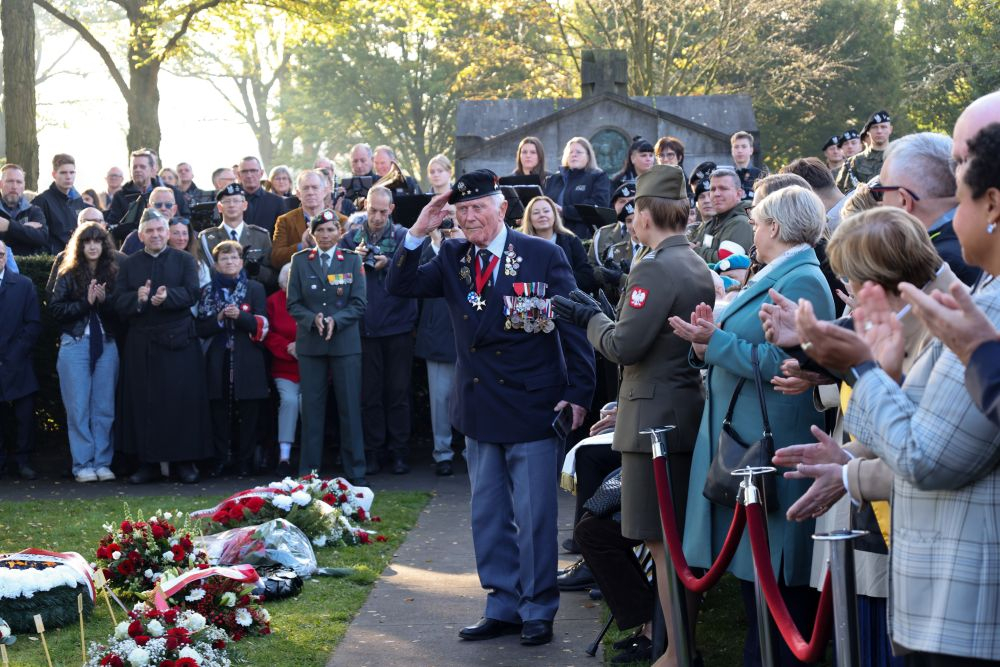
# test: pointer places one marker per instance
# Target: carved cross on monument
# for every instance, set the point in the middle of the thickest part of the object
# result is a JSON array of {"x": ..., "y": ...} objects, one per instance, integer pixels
[{"x": 603, "y": 71}]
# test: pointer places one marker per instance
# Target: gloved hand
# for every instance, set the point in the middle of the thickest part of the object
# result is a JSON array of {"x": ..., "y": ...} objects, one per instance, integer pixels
[
  {"x": 606, "y": 306},
  {"x": 573, "y": 311},
  {"x": 625, "y": 266},
  {"x": 607, "y": 275}
]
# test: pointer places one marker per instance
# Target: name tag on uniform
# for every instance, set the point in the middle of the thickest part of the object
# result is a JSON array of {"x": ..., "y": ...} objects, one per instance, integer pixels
[
  {"x": 340, "y": 278},
  {"x": 707, "y": 241}
]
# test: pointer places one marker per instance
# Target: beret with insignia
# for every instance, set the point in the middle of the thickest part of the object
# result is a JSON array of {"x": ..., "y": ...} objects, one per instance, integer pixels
[
  {"x": 832, "y": 141},
  {"x": 877, "y": 117},
  {"x": 474, "y": 185},
  {"x": 231, "y": 190},
  {"x": 847, "y": 136},
  {"x": 324, "y": 216}
]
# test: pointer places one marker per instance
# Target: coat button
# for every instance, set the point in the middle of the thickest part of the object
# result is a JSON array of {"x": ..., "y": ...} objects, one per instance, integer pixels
[
  {"x": 465, "y": 317},
  {"x": 500, "y": 380},
  {"x": 472, "y": 348},
  {"x": 498, "y": 353},
  {"x": 475, "y": 380}
]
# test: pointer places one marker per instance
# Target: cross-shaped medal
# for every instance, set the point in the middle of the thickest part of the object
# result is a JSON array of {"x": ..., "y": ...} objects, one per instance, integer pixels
[{"x": 479, "y": 302}]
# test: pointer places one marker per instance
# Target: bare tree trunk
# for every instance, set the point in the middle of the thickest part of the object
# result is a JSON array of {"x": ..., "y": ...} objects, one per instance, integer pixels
[
  {"x": 143, "y": 101},
  {"x": 17, "y": 22}
]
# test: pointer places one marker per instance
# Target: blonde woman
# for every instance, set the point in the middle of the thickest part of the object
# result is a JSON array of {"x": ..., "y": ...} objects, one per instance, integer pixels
[{"x": 578, "y": 181}]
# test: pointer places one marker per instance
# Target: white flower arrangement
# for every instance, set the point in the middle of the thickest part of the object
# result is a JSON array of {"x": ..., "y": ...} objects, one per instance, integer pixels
[
  {"x": 244, "y": 618},
  {"x": 301, "y": 498},
  {"x": 283, "y": 503},
  {"x": 195, "y": 595},
  {"x": 138, "y": 657},
  {"x": 228, "y": 599}
]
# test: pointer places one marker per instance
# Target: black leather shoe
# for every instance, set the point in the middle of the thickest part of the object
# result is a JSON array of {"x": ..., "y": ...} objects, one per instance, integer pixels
[
  {"x": 570, "y": 546},
  {"x": 488, "y": 628},
  {"x": 535, "y": 633},
  {"x": 400, "y": 466},
  {"x": 640, "y": 650},
  {"x": 145, "y": 474},
  {"x": 372, "y": 466},
  {"x": 443, "y": 469},
  {"x": 576, "y": 578},
  {"x": 26, "y": 473},
  {"x": 187, "y": 472}
]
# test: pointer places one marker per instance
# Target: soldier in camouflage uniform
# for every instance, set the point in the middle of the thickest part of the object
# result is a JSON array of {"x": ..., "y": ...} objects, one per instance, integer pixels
[
  {"x": 868, "y": 163},
  {"x": 608, "y": 235}
]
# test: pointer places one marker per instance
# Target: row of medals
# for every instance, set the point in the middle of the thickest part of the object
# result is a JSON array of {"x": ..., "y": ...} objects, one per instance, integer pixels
[{"x": 529, "y": 310}]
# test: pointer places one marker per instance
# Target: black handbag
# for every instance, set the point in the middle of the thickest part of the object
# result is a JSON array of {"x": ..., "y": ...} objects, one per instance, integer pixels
[
  {"x": 607, "y": 500},
  {"x": 721, "y": 487}
]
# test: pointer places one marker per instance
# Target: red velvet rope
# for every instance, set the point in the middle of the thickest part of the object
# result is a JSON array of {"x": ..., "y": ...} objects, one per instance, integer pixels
[
  {"x": 806, "y": 652},
  {"x": 669, "y": 522}
]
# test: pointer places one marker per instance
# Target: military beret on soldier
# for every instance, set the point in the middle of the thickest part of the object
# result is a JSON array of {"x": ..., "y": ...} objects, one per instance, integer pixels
[
  {"x": 877, "y": 117},
  {"x": 474, "y": 185},
  {"x": 230, "y": 190},
  {"x": 847, "y": 136},
  {"x": 703, "y": 186},
  {"x": 701, "y": 173},
  {"x": 832, "y": 141},
  {"x": 325, "y": 216},
  {"x": 624, "y": 191},
  {"x": 662, "y": 180},
  {"x": 627, "y": 210}
]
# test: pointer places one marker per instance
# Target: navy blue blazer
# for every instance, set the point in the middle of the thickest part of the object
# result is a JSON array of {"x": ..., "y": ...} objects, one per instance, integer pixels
[
  {"x": 982, "y": 379},
  {"x": 507, "y": 382},
  {"x": 263, "y": 209},
  {"x": 20, "y": 324}
]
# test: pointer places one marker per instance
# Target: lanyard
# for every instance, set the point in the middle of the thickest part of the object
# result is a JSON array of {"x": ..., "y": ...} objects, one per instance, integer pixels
[{"x": 483, "y": 276}]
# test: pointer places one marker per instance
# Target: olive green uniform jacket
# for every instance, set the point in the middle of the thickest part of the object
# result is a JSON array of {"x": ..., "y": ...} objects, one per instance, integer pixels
[{"x": 734, "y": 225}]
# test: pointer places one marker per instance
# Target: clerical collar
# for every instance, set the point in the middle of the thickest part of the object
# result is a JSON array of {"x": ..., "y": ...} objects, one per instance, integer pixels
[{"x": 153, "y": 254}]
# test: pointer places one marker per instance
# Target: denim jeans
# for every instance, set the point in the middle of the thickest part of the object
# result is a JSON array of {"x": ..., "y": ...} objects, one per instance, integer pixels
[
  {"x": 440, "y": 377},
  {"x": 288, "y": 409},
  {"x": 89, "y": 400}
]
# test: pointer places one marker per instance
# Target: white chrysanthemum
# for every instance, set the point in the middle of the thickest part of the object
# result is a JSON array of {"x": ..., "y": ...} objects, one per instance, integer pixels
[
  {"x": 228, "y": 599},
  {"x": 138, "y": 657},
  {"x": 154, "y": 628},
  {"x": 188, "y": 652},
  {"x": 301, "y": 498},
  {"x": 168, "y": 516},
  {"x": 195, "y": 595},
  {"x": 283, "y": 503},
  {"x": 319, "y": 541},
  {"x": 115, "y": 555},
  {"x": 148, "y": 573},
  {"x": 244, "y": 618},
  {"x": 192, "y": 621}
]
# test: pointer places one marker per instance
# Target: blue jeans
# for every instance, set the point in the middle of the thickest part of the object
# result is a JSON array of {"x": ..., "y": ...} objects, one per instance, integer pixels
[
  {"x": 288, "y": 409},
  {"x": 440, "y": 377},
  {"x": 89, "y": 400}
]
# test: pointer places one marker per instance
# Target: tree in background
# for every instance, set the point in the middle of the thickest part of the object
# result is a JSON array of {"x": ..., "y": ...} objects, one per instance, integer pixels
[{"x": 17, "y": 22}]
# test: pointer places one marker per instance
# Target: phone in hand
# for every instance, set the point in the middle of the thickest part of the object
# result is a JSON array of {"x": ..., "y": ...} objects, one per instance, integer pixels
[{"x": 563, "y": 423}]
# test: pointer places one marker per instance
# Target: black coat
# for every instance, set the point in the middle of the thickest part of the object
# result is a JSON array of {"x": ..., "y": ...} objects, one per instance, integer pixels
[
  {"x": 263, "y": 209},
  {"x": 20, "y": 324},
  {"x": 249, "y": 368},
  {"x": 583, "y": 270},
  {"x": 70, "y": 309},
  {"x": 435, "y": 333},
  {"x": 60, "y": 213},
  {"x": 569, "y": 187},
  {"x": 21, "y": 239},
  {"x": 130, "y": 192},
  {"x": 946, "y": 243}
]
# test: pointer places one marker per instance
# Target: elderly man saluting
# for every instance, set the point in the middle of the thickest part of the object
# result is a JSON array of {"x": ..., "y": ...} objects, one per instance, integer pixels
[{"x": 516, "y": 369}]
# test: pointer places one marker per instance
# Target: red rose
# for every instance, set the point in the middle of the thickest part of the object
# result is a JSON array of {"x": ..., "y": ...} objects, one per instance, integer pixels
[
  {"x": 236, "y": 513},
  {"x": 141, "y": 640},
  {"x": 381, "y": 538},
  {"x": 158, "y": 532},
  {"x": 341, "y": 485},
  {"x": 134, "y": 628},
  {"x": 218, "y": 644},
  {"x": 254, "y": 504},
  {"x": 363, "y": 537},
  {"x": 170, "y": 616},
  {"x": 102, "y": 553},
  {"x": 126, "y": 527},
  {"x": 323, "y": 486},
  {"x": 113, "y": 547},
  {"x": 135, "y": 557},
  {"x": 178, "y": 552},
  {"x": 167, "y": 663},
  {"x": 361, "y": 514},
  {"x": 112, "y": 660},
  {"x": 185, "y": 662},
  {"x": 126, "y": 568},
  {"x": 342, "y": 498},
  {"x": 222, "y": 516}
]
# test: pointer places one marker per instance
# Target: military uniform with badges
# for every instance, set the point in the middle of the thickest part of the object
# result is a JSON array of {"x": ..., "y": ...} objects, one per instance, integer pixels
[
  {"x": 250, "y": 236},
  {"x": 339, "y": 293},
  {"x": 723, "y": 235},
  {"x": 867, "y": 164}
]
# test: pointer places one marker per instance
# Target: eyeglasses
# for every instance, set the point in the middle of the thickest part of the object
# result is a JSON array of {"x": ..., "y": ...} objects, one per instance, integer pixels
[
  {"x": 180, "y": 221},
  {"x": 163, "y": 205},
  {"x": 879, "y": 190}
]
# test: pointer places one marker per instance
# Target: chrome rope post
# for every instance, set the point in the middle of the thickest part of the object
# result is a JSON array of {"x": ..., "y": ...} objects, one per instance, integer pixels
[
  {"x": 675, "y": 591},
  {"x": 750, "y": 493},
  {"x": 845, "y": 601}
]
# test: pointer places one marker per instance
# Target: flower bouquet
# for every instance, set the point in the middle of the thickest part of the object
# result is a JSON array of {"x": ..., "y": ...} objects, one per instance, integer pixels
[
  {"x": 169, "y": 638},
  {"x": 275, "y": 543},
  {"x": 222, "y": 596},
  {"x": 34, "y": 581},
  {"x": 353, "y": 503},
  {"x": 136, "y": 554},
  {"x": 315, "y": 518}
]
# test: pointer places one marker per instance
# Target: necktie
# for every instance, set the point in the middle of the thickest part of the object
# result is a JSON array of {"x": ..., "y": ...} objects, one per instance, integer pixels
[
  {"x": 485, "y": 269},
  {"x": 324, "y": 263},
  {"x": 232, "y": 235}
]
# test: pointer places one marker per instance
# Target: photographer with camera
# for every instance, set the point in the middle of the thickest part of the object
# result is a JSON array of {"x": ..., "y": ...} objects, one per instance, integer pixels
[
  {"x": 255, "y": 240},
  {"x": 386, "y": 338}
]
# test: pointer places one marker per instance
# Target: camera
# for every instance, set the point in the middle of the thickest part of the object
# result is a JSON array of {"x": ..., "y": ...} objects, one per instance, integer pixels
[
  {"x": 252, "y": 258},
  {"x": 205, "y": 215},
  {"x": 370, "y": 257},
  {"x": 447, "y": 223}
]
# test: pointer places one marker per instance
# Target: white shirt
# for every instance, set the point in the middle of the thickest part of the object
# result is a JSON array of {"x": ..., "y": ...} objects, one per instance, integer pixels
[
  {"x": 238, "y": 229},
  {"x": 496, "y": 246}
]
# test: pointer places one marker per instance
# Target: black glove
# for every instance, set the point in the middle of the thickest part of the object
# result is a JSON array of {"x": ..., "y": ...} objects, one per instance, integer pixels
[
  {"x": 574, "y": 312},
  {"x": 625, "y": 266},
  {"x": 607, "y": 275},
  {"x": 606, "y": 306}
]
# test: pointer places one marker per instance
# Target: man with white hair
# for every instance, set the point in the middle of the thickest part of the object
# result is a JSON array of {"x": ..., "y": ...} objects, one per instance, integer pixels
[
  {"x": 517, "y": 370},
  {"x": 916, "y": 176}
]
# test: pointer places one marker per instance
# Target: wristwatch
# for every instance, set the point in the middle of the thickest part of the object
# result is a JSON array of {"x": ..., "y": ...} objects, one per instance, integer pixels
[{"x": 857, "y": 371}]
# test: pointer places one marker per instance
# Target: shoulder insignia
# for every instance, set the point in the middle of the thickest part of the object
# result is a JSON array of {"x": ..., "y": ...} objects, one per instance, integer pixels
[
  {"x": 257, "y": 228},
  {"x": 650, "y": 255},
  {"x": 637, "y": 297}
]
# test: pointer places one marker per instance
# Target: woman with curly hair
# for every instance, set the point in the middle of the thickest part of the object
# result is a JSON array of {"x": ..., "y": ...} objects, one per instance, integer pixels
[{"x": 88, "y": 359}]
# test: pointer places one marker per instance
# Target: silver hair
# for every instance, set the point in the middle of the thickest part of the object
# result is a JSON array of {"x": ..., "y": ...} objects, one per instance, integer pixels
[
  {"x": 798, "y": 210},
  {"x": 731, "y": 173},
  {"x": 922, "y": 162},
  {"x": 283, "y": 276},
  {"x": 387, "y": 150},
  {"x": 380, "y": 190},
  {"x": 364, "y": 147},
  {"x": 161, "y": 189},
  {"x": 305, "y": 173}
]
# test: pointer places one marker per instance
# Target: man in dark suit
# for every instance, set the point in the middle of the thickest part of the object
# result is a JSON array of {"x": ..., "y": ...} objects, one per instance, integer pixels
[
  {"x": 516, "y": 370},
  {"x": 326, "y": 296},
  {"x": 20, "y": 324},
  {"x": 263, "y": 207}
]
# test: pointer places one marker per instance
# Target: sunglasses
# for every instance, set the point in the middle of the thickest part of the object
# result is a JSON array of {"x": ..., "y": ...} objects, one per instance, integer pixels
[
  {"x": 878, "y": 191},
  {"x": 162, "y": 205}
]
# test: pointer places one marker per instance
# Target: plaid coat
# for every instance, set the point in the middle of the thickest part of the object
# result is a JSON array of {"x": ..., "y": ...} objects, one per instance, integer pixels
[{"x": 945, "y": 557}]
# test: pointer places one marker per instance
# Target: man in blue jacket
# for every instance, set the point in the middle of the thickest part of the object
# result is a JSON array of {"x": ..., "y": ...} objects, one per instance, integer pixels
[{"x": 516, "y": 369}]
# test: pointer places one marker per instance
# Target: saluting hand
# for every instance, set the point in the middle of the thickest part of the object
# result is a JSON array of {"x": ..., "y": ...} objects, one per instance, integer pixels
[{"x": 431, "y": 216}]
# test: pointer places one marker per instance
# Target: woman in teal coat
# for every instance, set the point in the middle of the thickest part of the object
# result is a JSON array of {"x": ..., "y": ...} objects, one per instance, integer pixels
[{"x": 787, "y": 223}]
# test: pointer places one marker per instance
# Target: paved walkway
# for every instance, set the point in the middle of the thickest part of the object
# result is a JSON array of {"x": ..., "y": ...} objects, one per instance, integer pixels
[{"x": 430, "y": 591}]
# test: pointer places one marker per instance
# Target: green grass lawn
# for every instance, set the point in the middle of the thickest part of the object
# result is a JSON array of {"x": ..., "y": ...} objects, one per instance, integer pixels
[{"x": 305, "y": 629}]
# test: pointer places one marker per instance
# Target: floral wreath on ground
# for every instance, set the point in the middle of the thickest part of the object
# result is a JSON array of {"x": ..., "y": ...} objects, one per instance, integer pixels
[
  {"x": 169, "y": 638},
  {"x": 136, "y": 554},
  {"x": 352, "y": 502},
  {"x": 225, "y": 600},
  {"x": 47, "y": 583}
]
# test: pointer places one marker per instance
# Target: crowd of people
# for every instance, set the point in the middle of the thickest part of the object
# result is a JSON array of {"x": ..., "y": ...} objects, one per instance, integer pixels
[{"x": 838, "y": 317}]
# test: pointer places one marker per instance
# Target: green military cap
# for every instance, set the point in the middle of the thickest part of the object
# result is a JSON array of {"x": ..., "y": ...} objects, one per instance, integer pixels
[{"x": 662, "y": 180}]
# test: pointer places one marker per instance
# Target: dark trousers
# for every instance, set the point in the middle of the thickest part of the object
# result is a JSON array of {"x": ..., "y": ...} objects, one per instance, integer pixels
[
  {"x": 941, "y": 660},
  {"x": 23, "y": 410},
  {"x": 801, "y": 602},
  {"x": 385, "y": 394},
  {"x": 593, "y": 464},
  {"x": 239, "y": 417},
  {"x": 316, "y": 373},
  {"x": 617, "y": 571}
]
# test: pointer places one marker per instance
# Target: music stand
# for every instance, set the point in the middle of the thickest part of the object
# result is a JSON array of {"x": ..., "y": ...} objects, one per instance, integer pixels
[
  {"x": 596, "y": 216},
  {"x": 408, "y": 208}
]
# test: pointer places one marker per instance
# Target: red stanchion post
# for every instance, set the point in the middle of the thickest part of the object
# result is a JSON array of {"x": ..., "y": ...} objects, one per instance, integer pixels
[{"x": 678, "y": 607}]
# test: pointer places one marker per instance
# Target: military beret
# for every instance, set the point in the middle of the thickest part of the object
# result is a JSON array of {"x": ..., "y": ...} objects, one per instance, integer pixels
[
  {"x": 832, "y": 141},
  {"x": 640, "y": 145},
  {"x": 474, "y": 185},
  {"x": 877, "y": 117},
  {"x": 702, "y": 172},
  {"x": 662, "y": 180},
  {"x": 627, "y": 210},
  {"x": 847, "y": 136},
  {"x": 326, "y": 215},
  {"x": 701, "y": 187},
  {"x": 230, "y": 190},
  {"x": 624, "y": 191}
]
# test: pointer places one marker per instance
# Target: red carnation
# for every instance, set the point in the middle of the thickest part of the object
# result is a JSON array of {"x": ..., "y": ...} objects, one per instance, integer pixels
[
  {"x": 363, "y": 537},
  {"x": 185, "y": 662},
  {"x": 126, "y": 527},
  {"x": 158, "y": 532},
  {"x": 341, "y": 485},
  {"x": 126, "y": 568},
  {"x": 153, "y": 613},
  {"x": 167, "y": 663},
  {"x": 177, "y": 637},
  {"x": 141, "y": 640},
  {"x": 381, "y": 538},
  {"x": 178, "y": 552},
  {"x": 112, "y": 660},
  {"x": 219, "y": 644},
  {"x": 323, "y": 486},
  {"x": 134, "y": 628},
  {"x": 170, "y": 616},
  {"x": 254, "y": 504},
  {"x": 187, "y": 543},
  {"x": 361, "y": 514},
  {"x": 330, "y": 499}
]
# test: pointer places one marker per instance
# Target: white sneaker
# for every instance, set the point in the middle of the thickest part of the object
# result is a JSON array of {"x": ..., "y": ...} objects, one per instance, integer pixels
[
  {"x": 86, "y": 475},
  {"x": 104, "y": 474}
]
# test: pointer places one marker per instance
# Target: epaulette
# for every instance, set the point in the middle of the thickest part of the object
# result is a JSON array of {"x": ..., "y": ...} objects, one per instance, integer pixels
[{"x": 257, "y": 227}]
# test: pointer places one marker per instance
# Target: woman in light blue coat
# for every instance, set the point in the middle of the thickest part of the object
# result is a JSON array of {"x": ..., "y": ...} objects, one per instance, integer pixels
[{"x": 787, "y": 223}]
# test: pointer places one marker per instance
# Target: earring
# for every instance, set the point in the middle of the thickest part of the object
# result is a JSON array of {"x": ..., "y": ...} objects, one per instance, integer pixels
[{"x": 990, "y": 228}]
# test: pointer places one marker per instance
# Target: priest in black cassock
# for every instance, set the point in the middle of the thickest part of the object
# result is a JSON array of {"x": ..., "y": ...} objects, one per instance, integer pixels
[{"x": 164, "y": 414}]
